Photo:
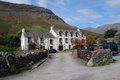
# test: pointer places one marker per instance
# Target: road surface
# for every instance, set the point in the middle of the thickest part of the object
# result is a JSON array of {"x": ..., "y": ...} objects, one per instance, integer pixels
[{"x": 63, "y": 66}]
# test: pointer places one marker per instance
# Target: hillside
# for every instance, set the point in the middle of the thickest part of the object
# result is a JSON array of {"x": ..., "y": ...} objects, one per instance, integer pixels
[
  {"x": 29, "y": 16},
  {"x": 103, "y": 28},
  {"x": 13, "y": 17}
]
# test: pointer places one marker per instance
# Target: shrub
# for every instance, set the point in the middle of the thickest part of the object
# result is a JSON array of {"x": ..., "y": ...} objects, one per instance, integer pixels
[
  {"x": 9, "y": 40},
  {"x": 8, "y": 48}
]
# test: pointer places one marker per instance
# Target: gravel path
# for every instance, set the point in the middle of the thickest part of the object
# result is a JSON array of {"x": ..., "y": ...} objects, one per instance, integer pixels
[{"x": 63, "y": 66}]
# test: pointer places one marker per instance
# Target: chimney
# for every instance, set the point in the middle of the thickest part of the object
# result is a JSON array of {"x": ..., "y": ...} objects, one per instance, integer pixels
[
  {"x": 23, "y": 30},
  {"x": 52, "y": 27},
  {"x": 78, "y": 29}
]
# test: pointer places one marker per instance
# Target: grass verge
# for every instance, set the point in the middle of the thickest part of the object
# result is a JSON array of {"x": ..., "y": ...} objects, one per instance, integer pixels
[{"x": 103, "y": 63}]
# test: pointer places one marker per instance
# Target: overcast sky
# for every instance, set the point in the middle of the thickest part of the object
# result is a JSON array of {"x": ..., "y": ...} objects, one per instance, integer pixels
[{"x": 81, "y": 13}]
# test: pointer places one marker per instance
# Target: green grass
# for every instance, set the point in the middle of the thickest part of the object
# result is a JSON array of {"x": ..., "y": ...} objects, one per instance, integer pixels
[
  {"x": 39, "y": 28},
  {"x": 4, "y": 26},
  {"x": 91, "y": 36},
  {"x": 103, "y": 63},
  {"x": 8, "y": 48}
]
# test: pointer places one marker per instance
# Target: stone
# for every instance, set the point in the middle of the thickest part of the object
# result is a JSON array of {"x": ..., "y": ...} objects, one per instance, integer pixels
[
  {"x": 100, "y": 55},
  {"x": 12, "y": 61},
  {"x": 90, "y": 62},
  {"x": 74, "y": 53}
]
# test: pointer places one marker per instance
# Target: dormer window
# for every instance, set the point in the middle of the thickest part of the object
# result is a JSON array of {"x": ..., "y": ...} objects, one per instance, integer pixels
[
  {"x": 60, "y": 33},
  {"x": 71, "y": 34}
]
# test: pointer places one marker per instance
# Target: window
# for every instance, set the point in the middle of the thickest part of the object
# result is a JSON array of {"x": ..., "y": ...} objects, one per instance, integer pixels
[
  {"x": 29, "y": 39},
  {"x": 51, "y": 41},
  {"x": 71, "y": 34},
  {"x": 66, "y": 40},
  {"x": 66, "y": 34},
  {"x": 69, "y": 46},
  {"x": 60, "y": 33},
  {"x": 42, "y": 40},
  {"x": 71, "y": 40},
  {"x": 51, "y": 47},
  {"x": 60, "y": 40},
  {"x": 76, "y": 34}
]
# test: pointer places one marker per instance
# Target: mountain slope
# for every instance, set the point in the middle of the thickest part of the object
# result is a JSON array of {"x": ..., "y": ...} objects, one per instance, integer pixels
[
  {"x": 29, "y": 16},
  {"x": 13, "y": 17},
  {"x": 103, "y": 28}
]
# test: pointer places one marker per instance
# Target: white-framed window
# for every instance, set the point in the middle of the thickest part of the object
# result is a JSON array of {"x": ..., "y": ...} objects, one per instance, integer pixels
[
  {"x": 66, "y": 40},
  {"x": 66, "y": 33},
  {"x": 60, "y": 33},
  {"x": 51, "y": 41},
  {"x": 60, "y": 40}
]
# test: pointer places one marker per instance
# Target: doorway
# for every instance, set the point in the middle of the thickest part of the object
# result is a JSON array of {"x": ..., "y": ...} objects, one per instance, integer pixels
[{"x": 60, "y": 47}]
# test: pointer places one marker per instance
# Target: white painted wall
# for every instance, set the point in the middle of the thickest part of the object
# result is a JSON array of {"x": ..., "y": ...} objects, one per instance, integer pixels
[
  {"x": 65, "y": 45},
  {"x": 24, "y": 41}
]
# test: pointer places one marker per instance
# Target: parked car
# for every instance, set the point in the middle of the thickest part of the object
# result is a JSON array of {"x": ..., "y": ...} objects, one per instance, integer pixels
[
  {"x": 118, "y": 48},
  {"x": 52, "y": 50},
  {"x": 112, "y": 46}
]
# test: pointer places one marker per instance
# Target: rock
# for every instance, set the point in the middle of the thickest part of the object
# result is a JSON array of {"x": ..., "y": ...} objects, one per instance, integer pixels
[
  {"x": 84, "y": 54},
  {"x": 11, "y": 62},
  {"x": 100, "y": 55},
  {"x": 90, "y": 62},
  {"x": 74, "y": 53}
]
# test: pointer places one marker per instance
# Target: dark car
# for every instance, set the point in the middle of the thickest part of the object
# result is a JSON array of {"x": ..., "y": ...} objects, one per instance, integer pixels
[
  {"x": 118, "y": 48},
  {"x": 52, "y": 50},
  {"x": 114, "y": 48}
]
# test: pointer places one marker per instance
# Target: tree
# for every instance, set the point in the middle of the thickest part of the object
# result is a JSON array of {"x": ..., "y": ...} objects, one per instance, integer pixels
[
  {"x": 78, "y": 42},
  {"x": 110, "y": 33}
]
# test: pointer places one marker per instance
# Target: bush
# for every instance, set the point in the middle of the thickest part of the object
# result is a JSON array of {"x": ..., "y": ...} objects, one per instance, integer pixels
[
  {"x": 9, "y": 40},
  {"x": 8, "y": 48},
  {"x": 110, "y": 33}
]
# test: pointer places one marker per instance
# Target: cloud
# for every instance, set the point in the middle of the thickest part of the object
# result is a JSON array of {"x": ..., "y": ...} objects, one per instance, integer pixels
[
  {"x": 61, "y": 2},
  {"x": 73, "y": 19},
  {"x": 42, "y": 3},
  {"x": 19, "y": 1},
  {"x": 89, "y": 13},
  {"x": 80, "y": 21},
  {"x": 113, "y": 3}
]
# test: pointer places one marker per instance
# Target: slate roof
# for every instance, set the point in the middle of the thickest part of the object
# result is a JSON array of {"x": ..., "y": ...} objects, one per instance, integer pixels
[
  {"x": 58, "y": 30},
  {"x": 39, "y": 34},
  {"x": 73, "y": 31}
]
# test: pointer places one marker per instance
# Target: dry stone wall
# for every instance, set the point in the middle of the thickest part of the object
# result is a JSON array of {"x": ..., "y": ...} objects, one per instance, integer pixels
[
  {"x": 11, "y": 62},
  {"x": 95, "y": 57}
]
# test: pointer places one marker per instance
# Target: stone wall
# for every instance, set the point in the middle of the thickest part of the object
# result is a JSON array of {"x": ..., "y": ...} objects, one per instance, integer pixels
[
  {"x": 11, "y": 62},
  {"x": 84, "y": 54},
  {"x": 95, "y": 57},
  {"x": 74, "y": 53},
  {"x": 100, "y": 55}
]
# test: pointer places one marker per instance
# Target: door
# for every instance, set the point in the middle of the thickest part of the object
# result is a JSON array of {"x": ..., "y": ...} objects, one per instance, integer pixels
[{"x": 60, "y": 47}]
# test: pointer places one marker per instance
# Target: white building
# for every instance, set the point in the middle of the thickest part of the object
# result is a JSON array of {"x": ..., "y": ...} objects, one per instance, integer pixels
[{"x": 57, "y": 38}]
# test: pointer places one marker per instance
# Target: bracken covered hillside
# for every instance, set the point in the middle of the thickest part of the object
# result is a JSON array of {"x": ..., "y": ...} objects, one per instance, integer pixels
[
  {"x": 13, "y": 17},
  {"x": 32, "y": 17}
]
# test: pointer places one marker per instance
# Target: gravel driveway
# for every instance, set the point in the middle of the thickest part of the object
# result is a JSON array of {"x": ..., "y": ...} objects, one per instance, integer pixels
[{"x": 63, "y": 66}]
